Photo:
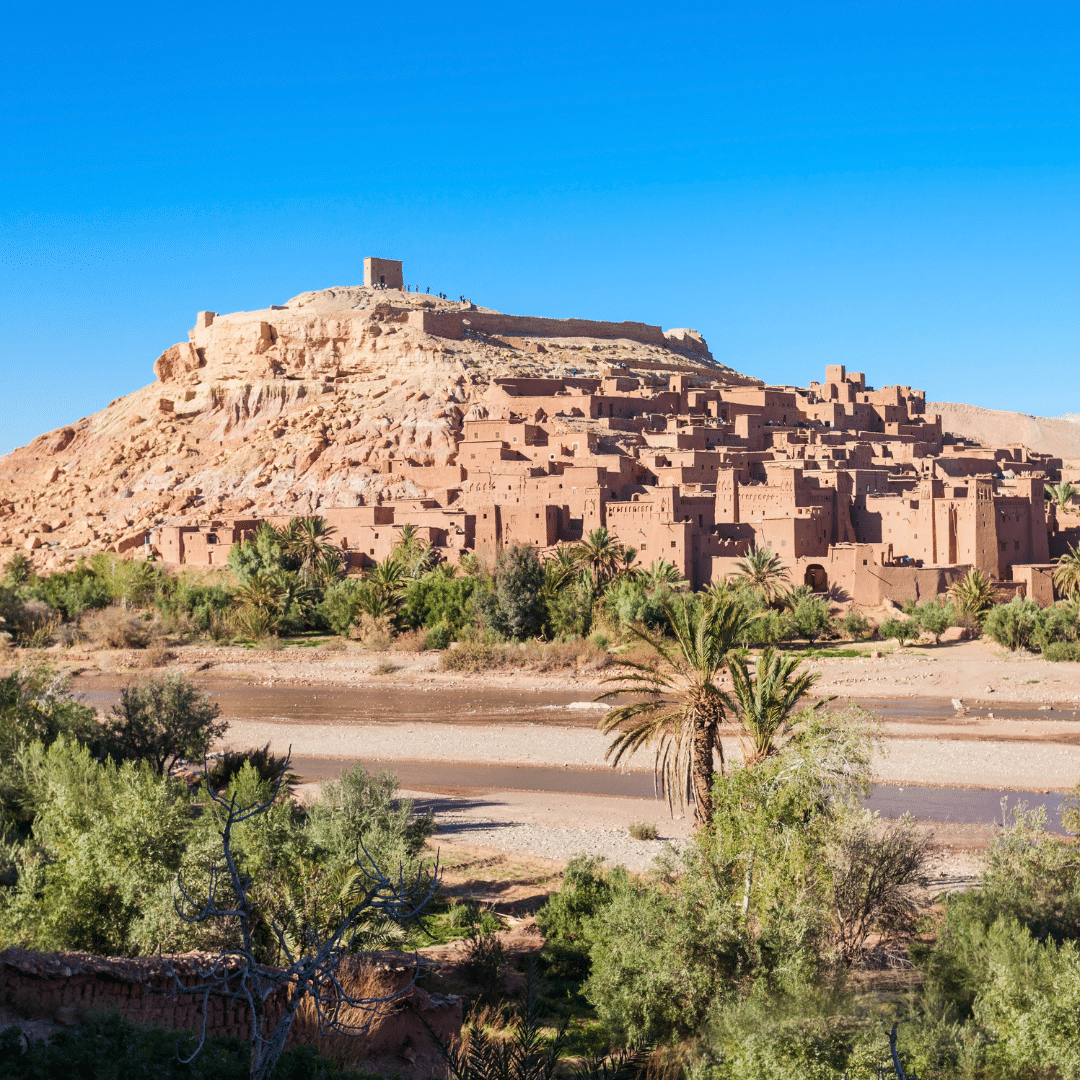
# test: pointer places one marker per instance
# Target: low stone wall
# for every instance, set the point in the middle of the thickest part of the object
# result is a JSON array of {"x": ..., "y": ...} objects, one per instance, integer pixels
[
  {"x": 69, "y": 988},
  {"x": 493, "y": 322}
]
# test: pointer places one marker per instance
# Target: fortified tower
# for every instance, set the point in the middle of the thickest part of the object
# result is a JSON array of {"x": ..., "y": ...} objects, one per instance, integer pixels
[{"x": 386, "y": 272}]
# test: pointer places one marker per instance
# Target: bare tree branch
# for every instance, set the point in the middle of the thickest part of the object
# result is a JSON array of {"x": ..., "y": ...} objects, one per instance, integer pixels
[{"x": 313, "y": 951}]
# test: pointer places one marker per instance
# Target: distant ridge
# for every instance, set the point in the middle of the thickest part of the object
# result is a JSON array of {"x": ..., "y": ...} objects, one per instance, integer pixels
[{"x": 1057, "y": 436}]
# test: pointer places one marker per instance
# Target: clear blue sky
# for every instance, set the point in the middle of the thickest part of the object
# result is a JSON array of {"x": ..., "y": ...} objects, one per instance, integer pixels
[{"x": 890, "y": 186}]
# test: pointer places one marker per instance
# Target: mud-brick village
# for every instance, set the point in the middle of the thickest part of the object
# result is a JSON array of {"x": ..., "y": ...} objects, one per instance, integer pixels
[{"x": 378, "y": 410}]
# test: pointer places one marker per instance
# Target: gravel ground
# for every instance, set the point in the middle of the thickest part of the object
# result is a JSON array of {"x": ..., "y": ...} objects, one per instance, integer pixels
[
  {"x": 545, "y": 842},
  {"x": 552, "y": 825},
  {"x": 948, "y": 762}
]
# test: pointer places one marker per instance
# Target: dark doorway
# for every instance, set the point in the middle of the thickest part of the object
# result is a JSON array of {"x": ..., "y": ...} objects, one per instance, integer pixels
[{"x": 816, "y": 578}]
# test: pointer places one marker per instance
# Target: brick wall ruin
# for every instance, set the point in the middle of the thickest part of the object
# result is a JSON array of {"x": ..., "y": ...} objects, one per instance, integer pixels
[{"x": 69, "y": 988}]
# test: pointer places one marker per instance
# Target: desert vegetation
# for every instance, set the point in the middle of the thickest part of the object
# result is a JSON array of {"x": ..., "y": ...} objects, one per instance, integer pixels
[
  {"x": 770, "y": 945},
  {"x": 571, "y": 607}
]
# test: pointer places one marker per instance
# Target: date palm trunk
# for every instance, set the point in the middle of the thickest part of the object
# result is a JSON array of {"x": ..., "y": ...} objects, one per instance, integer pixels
[{"x": 708, "y": 711}]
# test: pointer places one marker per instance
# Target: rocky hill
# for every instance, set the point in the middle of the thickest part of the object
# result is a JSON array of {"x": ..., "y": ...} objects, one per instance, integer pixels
[
  {"x": 298, "y": 406},
  {"x": 1059, "y": 437}
]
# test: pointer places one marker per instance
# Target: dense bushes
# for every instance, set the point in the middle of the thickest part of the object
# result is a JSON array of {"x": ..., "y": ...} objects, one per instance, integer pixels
[
  {"x": 98, "y": 870},
  {"x": 1023, "y": 624},
  {"x": 788, "y": 881},
  {"x": 515, "y": 609},
  {"x": 93, "y": 830},
  {"x": 738, "y": 948}
]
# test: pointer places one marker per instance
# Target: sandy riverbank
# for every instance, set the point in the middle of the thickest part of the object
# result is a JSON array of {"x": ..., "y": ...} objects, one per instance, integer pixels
[{"x": 972, "y": 670}]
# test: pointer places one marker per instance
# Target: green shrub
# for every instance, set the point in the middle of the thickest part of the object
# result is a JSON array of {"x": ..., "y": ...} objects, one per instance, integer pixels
[
  {"x": 564, "y": 920},
  {"x": 36, "y": 706},
  {"x": 569, "y": 609},
  {"x": 439, "y": 636},
  {"x": 516, "y": 608},
  {"x": 771, "y": 627},
  {"x": 1057, "y": 625},
  {"x": 818, "y": 1034},
  {"x": 1014, "y": 624},
  {"x": 902, "y": 630},
  {"x": 203, "y": 606},
  {"x": 264, "y": 553},
  {"x": 163, "y": 720},
  {"x": 1062, "y": 650},
  {"x": 935, "y": 618},
  {"x": 643, "y": 830},
  {"x": 630, "y": 600},
  {"x": 811, "y": 618},
  {"x": 72, "y": 592},
  {"x": 857, "y": 626},
  {"x": 105, "y": 837},
  {"x": 439, "y": 599},
  {"x": 360, "y": 806},
  {"x": 340, "y": 607}
]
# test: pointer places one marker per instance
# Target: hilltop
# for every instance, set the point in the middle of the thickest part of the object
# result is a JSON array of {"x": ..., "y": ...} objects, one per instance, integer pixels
[{"x": 300, "y": 406}]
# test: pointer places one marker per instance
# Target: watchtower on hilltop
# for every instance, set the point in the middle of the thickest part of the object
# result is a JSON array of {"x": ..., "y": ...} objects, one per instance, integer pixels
[{"x": 384, "y": 272}]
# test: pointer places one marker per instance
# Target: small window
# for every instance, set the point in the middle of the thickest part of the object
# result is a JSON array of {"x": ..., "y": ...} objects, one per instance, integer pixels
[
  {"x": 672, "y": 543},
  {"x": 1016, "y": 545},
  {"x": 376, "y": 536},
  {"x": 644, "y": 547},
  {"x": 537, "y": 517},
  {"x": 485, "y": 517},
  {"x": 515, "y": 438},
  {"x": 474, "y": 457},
  {"x": 783, "y": 543},
  {"x": 372, "y": 552}
]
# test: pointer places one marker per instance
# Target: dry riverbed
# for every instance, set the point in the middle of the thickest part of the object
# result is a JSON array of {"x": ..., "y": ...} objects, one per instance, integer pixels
[{"x": 961, "y": 715}]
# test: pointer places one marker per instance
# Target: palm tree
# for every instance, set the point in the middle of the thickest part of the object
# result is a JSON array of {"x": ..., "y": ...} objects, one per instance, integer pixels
[
  {"x": 561, "y": 568},
  {"x": 385, "y": 584},
  {"x": 1067, "y": 574},
  {"x": 765, "y": 571},
  {"x": 660, "y": 572},
  {"x": 601, "y": 553},
  {"x": 328, "y": 568},
  {"x": 973, "y": 593},
  {"x": 680, "y": 705},
  {"x": 766, "y": 699},
  {"x": 625, "y": 563},
  {"x": 415, "y": 554},
  {"x": 263, "y": 590},
  {"x": 306, "y": 540},
  {"x": 1061, "y": 494}
]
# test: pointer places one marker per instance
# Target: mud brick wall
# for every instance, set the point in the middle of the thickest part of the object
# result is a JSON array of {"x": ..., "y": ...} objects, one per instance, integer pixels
[{"x": 68, "y": 988}]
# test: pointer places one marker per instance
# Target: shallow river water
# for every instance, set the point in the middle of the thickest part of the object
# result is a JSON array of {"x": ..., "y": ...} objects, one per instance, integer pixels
[{"x": 299, "y": 705}]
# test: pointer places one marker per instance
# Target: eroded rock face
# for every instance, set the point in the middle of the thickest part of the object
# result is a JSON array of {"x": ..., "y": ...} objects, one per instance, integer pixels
[{"x": 284, "y": 410}]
